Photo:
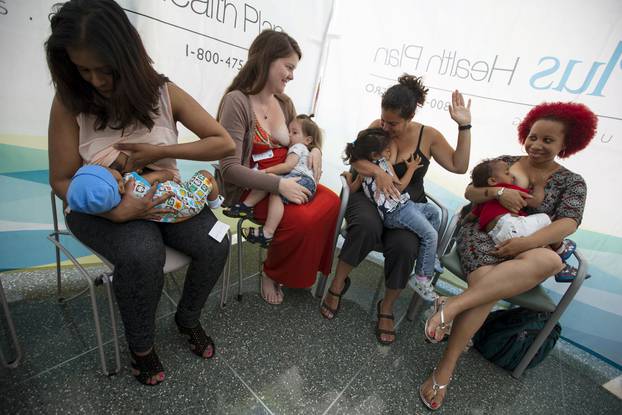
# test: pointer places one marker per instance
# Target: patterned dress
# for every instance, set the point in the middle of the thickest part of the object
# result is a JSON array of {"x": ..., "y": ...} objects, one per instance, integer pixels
[{"x": 564, "y": 197}]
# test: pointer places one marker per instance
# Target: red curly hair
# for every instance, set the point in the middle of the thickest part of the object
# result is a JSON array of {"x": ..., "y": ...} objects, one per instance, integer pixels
[{"x": 579, "y": 124}]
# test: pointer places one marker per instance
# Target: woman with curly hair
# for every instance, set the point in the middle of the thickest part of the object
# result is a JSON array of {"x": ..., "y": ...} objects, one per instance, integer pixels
[{"x": 549, "y": 131}]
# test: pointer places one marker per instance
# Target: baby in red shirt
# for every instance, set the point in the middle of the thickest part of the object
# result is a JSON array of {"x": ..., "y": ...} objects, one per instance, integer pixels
[{"x": 502, "y": 224}]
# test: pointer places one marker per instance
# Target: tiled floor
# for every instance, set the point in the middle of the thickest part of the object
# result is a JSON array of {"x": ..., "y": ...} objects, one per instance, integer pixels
[{"x": 273, "y": 359}]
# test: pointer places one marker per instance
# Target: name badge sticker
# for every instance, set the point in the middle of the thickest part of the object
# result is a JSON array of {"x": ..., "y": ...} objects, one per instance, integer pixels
[{"x": 262, "y": 156}]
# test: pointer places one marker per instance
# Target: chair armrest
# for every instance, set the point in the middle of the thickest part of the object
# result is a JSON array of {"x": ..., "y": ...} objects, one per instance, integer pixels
[
  {"x": 581, "y": 269},
  {"x": 344, "y": 196},
  {"x": 448, "y": 238},
  {"x": 444, "y": 216}
]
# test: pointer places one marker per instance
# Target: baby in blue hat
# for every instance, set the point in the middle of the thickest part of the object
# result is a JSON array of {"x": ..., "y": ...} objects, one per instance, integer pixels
[{"x": 97, "y": 189}]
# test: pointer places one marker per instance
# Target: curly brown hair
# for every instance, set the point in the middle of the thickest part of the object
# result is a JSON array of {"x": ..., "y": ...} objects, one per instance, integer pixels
[
  {"x": 405, "y": 96},
  {"x": 579, "y": 122}
]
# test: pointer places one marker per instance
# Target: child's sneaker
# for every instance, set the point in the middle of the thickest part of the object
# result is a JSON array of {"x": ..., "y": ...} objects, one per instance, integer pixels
[
  {"x": 438, "y": 267},
  {"x": 239, "y": 210},
  {"x": 568, "y": 274},
  {"x": 566, "y": 249},
  {"x": 423, "y": 286}
]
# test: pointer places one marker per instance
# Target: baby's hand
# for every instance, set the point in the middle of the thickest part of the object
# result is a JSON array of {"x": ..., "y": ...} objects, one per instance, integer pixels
[{"x": 413, "y": 162}]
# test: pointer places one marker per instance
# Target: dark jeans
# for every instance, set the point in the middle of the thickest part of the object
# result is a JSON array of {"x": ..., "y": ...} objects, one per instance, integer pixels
[
  {"x": 136, "y": 249},
  {"x": 366, "y": 233}
]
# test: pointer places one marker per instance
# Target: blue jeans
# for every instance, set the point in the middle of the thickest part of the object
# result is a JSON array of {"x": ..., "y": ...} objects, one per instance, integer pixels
[
  {"x": 422, "y": 219},
  {"x": 305, "y": 181}
]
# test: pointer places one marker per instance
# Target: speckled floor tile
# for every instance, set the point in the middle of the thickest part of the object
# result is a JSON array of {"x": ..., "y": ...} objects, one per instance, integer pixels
[
  {"x": 192, "y": 386},
  {"x": 389, "y": 385},
  {"x": 49, "y": 334},
  {"x": 273, "y": 359}
]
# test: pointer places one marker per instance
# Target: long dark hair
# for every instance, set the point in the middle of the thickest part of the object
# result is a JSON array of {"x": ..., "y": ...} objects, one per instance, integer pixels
[
  {"x": 102, "y": 27},
  {"x": 267, "y": 47},
  {"x": 369, "y": 141},
  {"x": 405, "y": 96}
]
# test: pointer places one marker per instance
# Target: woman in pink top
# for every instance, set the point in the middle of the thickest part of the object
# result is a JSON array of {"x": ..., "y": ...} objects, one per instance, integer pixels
[{"x": 110, "y": 101}]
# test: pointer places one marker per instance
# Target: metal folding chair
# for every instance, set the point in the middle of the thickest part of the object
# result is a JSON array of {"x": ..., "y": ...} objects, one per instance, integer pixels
[
  {"x": 11, "y": 364},
  {"x": 535, "y": 299},
  {"x": 340, "y": 229},
  {"x": 175, "y": 261}
]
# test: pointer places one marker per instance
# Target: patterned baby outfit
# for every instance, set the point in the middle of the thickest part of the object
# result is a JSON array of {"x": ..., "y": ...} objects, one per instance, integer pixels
[{"x": 188, "y": 198}]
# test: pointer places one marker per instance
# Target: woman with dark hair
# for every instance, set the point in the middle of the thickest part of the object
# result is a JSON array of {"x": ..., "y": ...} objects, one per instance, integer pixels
[
  {"x": 256, "y": 113},
  {"x": 113, "y": 109},
  {"x": 548, "y": 131},
  {"x": 365, "y": 228}
]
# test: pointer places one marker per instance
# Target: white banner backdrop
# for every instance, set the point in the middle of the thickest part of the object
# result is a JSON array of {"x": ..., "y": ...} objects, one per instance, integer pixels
[
  {"x": 199, "y": 45},
  {"x": 507, "y": 57}
]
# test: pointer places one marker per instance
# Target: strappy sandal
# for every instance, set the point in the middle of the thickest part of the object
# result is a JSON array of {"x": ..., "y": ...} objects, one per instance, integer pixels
[
  {"x": 239, "y": 210},
  {"x": 380, "y": 332},
  {"x": 198, "y": 339},
  {"x": 568, "y": 274},
  {"x": 435, "y": 387},
  {"x": 258, "y": 238},
  {"x": 439, "y": 306},
  {"x": 148, "y": 366},
  {"x": 334, "y": 311}
]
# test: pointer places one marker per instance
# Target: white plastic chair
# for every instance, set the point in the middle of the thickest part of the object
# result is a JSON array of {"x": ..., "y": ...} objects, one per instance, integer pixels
[{"x": 175, "y": 261}]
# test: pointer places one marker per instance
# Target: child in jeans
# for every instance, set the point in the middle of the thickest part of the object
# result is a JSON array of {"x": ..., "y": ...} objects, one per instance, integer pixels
[
  {"x": 422, "y": 219},
  {"x": 96, "y": 189},
  {"x": 501, "y": 224},
  {"x": 304, "y": 135}
]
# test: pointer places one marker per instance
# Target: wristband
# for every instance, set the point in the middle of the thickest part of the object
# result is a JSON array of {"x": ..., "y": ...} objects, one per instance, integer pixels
[
  {"x": 215, "y": 204},
  {"x": 464, "y": 127}
]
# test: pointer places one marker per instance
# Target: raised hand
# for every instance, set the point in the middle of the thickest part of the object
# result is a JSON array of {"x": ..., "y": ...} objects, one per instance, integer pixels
[{"x": 460, "y": 113}]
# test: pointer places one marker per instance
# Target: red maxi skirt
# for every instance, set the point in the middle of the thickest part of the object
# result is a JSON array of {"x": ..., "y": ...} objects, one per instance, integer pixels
[{"x": 304, "y": 241}]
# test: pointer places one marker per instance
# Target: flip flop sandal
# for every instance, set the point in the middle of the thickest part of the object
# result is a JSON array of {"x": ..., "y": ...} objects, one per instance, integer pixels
[
  {"x": 435, "y": 387},
  {"x": 439, "y": 306},
  {"x": 276, "y": 289},
  {"x": 380, "y": 332},
  {"x": 147, "y": 366},
  {"x": 256, "y": 238},
  {"x": 198, "y": 339},
  {"x": 239, "y": 210},
  {"x": 334, "y": 311}
]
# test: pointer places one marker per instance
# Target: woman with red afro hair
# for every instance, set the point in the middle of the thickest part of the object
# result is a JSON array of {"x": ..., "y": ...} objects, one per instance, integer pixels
[{"x": 548, "y": 131}]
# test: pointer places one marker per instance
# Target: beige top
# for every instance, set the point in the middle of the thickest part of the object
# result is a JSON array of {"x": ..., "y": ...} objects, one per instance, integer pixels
[
  {"x": 234, "y": 174},
  {"x": 97, "y": 146}
]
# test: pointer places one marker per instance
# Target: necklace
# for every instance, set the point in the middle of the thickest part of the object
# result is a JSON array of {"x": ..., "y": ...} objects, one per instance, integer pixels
[{"x": 261, "y": 108}]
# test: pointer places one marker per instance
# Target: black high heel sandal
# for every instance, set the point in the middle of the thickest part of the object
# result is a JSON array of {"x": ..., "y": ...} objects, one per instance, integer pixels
[
  {"x": 380, "y": 332},
  {"x": 147, "y": 366},
  {"x": 198, "y": 339},
  {"x": 334, "y": 311}
]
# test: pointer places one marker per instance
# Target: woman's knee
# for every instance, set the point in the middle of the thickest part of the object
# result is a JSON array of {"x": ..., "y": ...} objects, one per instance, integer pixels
[
  {"x": 147, "y": 257},
  {"x": 544, "y": 260}
]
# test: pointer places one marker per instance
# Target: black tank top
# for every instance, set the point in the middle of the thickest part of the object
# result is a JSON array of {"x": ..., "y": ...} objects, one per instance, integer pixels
[{"x": 415, "y": 187}]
